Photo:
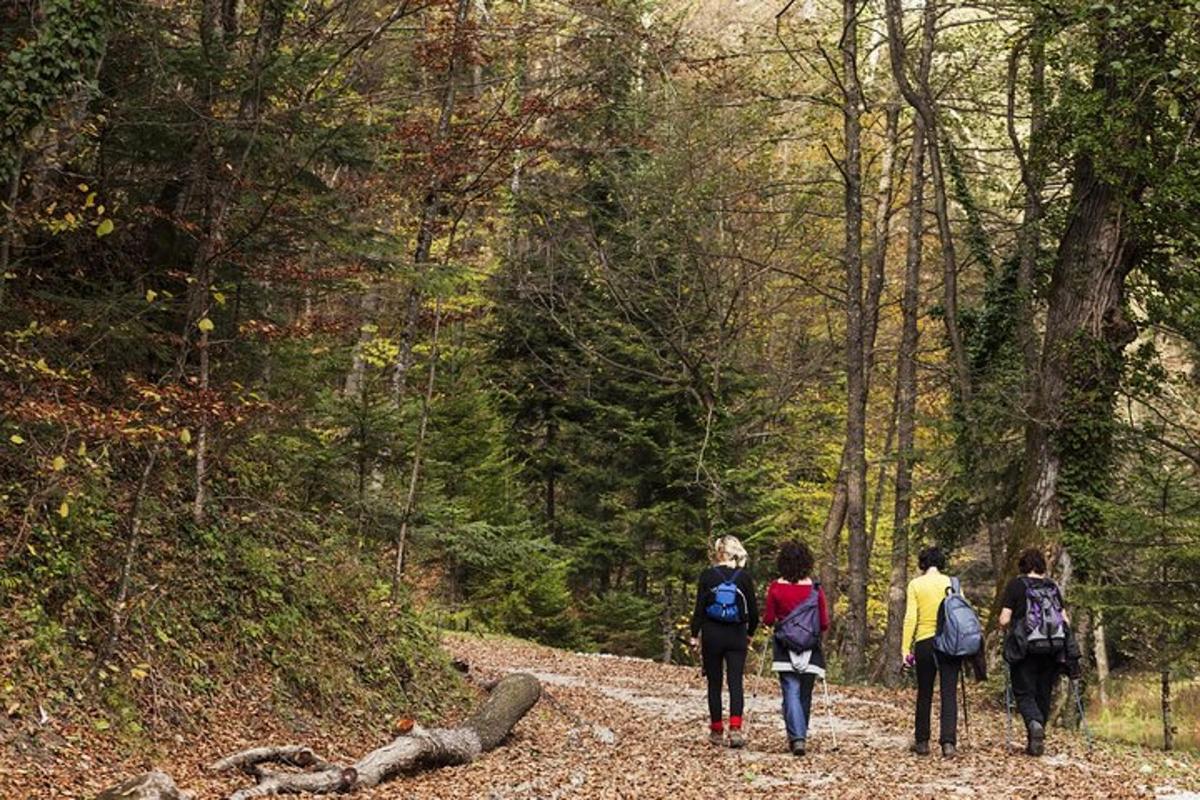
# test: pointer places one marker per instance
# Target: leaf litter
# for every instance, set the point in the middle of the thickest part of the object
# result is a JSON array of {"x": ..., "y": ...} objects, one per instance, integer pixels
[{"x": 612, "y": 727}]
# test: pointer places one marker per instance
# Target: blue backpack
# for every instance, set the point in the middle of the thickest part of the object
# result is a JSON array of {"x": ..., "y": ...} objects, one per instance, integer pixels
[
  {"x": 800, "y": 630},
  {"x": 958, "y": 631},
  {"x": 728, "y": 600}
]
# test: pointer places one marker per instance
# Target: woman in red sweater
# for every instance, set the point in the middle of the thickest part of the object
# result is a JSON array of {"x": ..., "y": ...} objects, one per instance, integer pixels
[{"x": 798, "y": 672}]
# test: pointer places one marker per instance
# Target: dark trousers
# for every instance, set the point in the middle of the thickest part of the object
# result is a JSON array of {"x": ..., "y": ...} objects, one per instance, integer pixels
[
  {"x": 723, "y": 650},
  {"x": 1033, "y": 680},
  {"x": 929, "y": 666}
]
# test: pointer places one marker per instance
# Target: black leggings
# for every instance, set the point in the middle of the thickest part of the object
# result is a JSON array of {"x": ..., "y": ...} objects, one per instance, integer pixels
[
  {"x": 928, "y": 668},
  {"x": 724, "y": 647},
  {"x": 1033, "y": 679}
]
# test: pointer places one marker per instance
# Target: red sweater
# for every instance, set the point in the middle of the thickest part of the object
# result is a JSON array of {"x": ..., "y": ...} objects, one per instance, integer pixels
[{"x": 783, "y": 597}]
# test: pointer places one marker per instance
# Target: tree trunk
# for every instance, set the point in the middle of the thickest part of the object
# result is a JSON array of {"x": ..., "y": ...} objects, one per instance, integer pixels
[
  {"x": 8, "y": 234},
  {"x": 414, "y": 477},
  {"x": 430, "y": 203},
  {"x": 881, "y": 230},
  {"x": 906, "y": 399},
  {"x": 218, "y": 30},
  {"x": 856, "y": 467},
  {"x": 1167, "y": 715},
  {"x": 507, "y": 704},
  {"x": 117, "y": 617},
  {"x": 153, "y": 785},
  {"x": 1068, "y": 424},
  {"x": 1100, "y": 651},
  {"x": 831, "y": 538},
  {"x": 1086, "y": 333},
  {"x": 920, "y": 98},
  {"x": 667, "y": 622},
  {"x": 1033, "y": 177}
]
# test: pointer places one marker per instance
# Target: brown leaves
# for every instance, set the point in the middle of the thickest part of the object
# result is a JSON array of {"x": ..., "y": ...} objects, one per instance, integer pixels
[{"x": 657, "y": 749}]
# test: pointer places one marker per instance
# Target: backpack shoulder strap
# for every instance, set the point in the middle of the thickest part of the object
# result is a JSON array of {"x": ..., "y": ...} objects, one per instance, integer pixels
[{"x": 955, "y": 587}]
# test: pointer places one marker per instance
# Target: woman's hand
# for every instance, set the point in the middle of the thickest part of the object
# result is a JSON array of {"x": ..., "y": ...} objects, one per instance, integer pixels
[{"x": 694, "y": 642}]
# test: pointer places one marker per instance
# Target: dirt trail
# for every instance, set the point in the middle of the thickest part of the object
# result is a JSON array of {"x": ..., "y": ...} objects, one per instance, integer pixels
[
  {"x": 625, "y": 728},
  {"x": 611, "y": 727}
]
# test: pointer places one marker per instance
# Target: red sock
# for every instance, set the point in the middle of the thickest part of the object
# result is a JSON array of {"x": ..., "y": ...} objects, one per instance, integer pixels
[
  {"x": 717, "y": 726},
  {"x": 735, "y": 723}
]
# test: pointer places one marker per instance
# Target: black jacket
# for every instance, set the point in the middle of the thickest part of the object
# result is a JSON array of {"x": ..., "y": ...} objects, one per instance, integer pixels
[{"x": 709, "y": 580}]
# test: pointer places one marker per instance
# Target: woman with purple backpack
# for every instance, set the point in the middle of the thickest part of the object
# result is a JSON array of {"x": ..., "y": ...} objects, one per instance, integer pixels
[
  {"x": 796, "y": 606},
  {"x": 1038, "y": 646}
]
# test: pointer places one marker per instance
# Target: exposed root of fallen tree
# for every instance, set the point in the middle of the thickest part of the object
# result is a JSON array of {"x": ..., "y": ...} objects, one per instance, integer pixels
[{"x": 418, "y": 748}]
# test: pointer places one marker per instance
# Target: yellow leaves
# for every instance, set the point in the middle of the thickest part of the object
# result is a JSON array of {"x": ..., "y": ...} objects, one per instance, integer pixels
[
  {"x": 380, "y": 352},
  {"x": 185, "y": 436},
  {"x": 17, "y": 438},
  {"x": 82, "y": 451},
  {"x": 151, "y": 295},
  {"x": 140, "y": 672},
  {"x": 205, "y": 325},
  {"x": 58, "y": 464},
  {"x": 104, "y": 228},
  {"x": 219, "y": 297},
  {"x": 64, "y": 509}
]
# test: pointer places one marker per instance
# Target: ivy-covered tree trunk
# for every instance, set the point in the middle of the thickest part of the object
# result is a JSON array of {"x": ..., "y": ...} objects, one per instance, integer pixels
[{"x": 1068, "y": 432}]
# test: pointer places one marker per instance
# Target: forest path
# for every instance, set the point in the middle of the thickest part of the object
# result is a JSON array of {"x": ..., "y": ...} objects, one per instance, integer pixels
[
  {"x": 623, "y": 728},
  {"x": 610, "y": 727}
]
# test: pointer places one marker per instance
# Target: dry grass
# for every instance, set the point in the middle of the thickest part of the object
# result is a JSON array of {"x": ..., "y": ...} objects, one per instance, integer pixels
[{"x": 1134, "y": 712}]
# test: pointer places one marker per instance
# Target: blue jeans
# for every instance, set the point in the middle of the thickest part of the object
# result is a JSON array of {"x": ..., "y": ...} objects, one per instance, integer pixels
[{"x": 797, "y": 702}]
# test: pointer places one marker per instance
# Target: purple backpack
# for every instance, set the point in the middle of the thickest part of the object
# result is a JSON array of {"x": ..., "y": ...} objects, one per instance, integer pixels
[
  {"x": 801, "y": 629},
  {"x": 1044, "y": 630}
]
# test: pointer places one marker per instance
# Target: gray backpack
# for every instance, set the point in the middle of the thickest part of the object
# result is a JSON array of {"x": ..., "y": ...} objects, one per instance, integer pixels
[{"x": 958, "y": 630}]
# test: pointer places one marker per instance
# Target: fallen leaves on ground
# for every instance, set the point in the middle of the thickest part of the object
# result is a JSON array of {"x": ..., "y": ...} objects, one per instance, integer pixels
[{"x": 611, "y": 727}]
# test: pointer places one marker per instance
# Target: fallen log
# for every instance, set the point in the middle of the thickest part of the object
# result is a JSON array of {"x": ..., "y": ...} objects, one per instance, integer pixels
[
  {"x": 415, "y": 749},
  {"x": 150, "y": 786}
]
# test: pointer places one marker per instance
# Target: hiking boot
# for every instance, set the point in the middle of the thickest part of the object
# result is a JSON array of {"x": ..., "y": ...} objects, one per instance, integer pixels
[
  {"x": 920, "y": 748},
  {"x": 949, "y": 750},
  {"x": 736, "y": 739},
  {"x": 717, "y": 738},
  {"x": 797, "y": 747},
  {"x": 1037, "y": 739}
]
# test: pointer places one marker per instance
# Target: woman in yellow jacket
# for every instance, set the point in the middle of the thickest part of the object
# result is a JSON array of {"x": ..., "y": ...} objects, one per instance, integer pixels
[{"x": 925, "y": 595}]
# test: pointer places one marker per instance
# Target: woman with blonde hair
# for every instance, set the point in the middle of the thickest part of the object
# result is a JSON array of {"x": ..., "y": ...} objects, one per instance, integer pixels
[{"x": 724, "y": 619}]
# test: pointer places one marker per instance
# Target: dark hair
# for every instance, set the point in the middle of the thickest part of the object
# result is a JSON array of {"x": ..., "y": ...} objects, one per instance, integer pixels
[
  {"x": 795, "y": 560},
  {"x": 1032, "y": 560},
  {"x": 931, "y": 557}
]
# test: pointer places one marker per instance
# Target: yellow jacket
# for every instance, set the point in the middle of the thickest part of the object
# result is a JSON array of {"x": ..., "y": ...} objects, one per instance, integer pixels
[{"x": 925, "y": 595}]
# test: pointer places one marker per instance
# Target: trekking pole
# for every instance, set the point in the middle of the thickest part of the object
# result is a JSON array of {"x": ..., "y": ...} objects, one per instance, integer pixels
[
  {"x": 966, "y": 719},
  {"x": 757, "y": 678},
  {"x": 1087, "y": 733},
  {"x": 829, "y": 712},
  {"x": 1008, "y": 731}
]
